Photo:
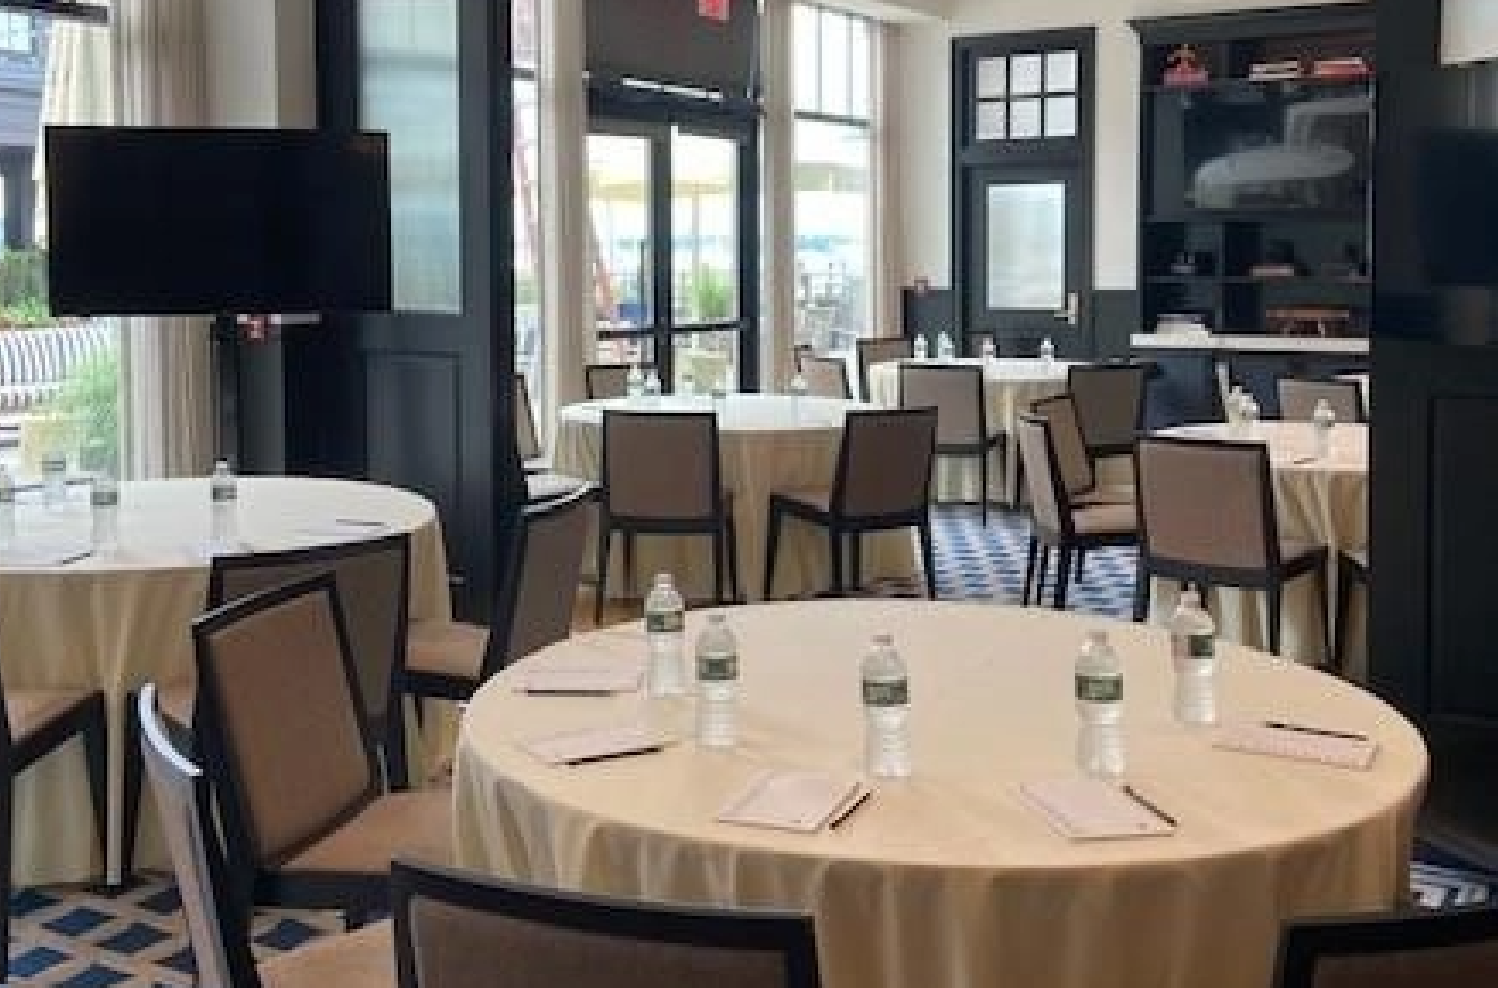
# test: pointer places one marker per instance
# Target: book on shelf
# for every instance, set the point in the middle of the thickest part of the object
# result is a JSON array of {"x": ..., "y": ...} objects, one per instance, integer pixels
[
  {"x": 1348, "y": 67},
  {"x": 1289, "y": 68}
]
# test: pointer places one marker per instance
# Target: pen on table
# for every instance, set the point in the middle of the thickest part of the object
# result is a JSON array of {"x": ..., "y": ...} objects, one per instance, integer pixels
[
  {"x": 847, "y": 811},
  {"x": 1318, "y": 731},
  {"x": 359, "y": 522},
  {"x": 1164, "y": 817},
  {"x": 590, "y": 759}
]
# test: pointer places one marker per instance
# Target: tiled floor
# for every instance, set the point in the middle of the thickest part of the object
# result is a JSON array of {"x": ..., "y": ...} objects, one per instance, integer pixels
[{"x": 135, "y": 937}]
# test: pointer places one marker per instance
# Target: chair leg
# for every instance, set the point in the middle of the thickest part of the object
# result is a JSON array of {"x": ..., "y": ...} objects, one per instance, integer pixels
[
  {"x": 1032, "y": 549},
  {"x": 835, "y": 553},
  {"x": 772, "y": 548},
  {"x": 631, "y": 579},
  {"x": 95, "y": 737},
  {"x": 733, "y": 559},
  {"x": 1141, "y": 591},
  {"x": 1077, "y": 573},
  {"x": 1063, "y": 573},
  {"x": 1345, "y": 580},
  {"x": 1042, "y": 573},
  {"x": 983, "y": 486},
  {"x": 928, "y": 556},
  {"x": 718, "y": 566},
  {"x": 855, "y": 560},
  {"x": 5, "y": 862},
  {"x": 1275, "y": 593},
  {"x": 602, "y": 563},
  {"x": 1323, "y": 588},
  {"x": 133, "y": 778},
  {"x": 397, "y": 764}
]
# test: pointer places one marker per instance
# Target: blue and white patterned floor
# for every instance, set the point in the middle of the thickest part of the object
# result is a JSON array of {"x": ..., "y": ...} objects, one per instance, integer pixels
[{"x": 84, "y": 939}]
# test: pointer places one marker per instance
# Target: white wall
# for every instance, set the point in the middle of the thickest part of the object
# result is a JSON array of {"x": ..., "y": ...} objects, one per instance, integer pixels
[{"x": 921, "y": 125}]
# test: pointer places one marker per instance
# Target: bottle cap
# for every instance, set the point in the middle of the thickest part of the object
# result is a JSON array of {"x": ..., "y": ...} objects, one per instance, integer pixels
[
  {"x": 1097, "y": 636},
  {"x": 1190, "y": 597},
  {"x": 884, "y": 638},
  {"x": 663, "y": 579}
]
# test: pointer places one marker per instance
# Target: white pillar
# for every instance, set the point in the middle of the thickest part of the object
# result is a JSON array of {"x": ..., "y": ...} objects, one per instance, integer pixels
[
  {"x": 778, "y": 201},
  {"x": 884, "y": 228}
]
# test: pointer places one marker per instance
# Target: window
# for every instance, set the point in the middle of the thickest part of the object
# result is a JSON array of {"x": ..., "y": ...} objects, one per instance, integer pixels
[
  {"x": 530, "y": 339},
  {"x": 832, "y": 56},
  {"x": 17, "y": 32}
]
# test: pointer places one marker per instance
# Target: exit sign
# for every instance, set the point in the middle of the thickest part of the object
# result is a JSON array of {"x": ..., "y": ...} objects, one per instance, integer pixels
[{"x": 716, "y": 10}]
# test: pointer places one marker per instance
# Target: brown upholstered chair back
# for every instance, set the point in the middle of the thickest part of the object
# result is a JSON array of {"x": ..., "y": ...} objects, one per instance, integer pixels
[
  {"x": 1110, "y": 403},
  {"x": 884, "y": 464},
  {"x": 527, "y": 438},
  {"x": 462, "y": 931},
  {"x": 184, "y": 809},
  {"x": 279, "y": 715},
  {"x": 1075, "y": 466},
  {"x": 826, "y": 377},
  {"x": 1206, "y": 503},
  {"x": 373, "y": 578},
  {"x": 1451, "y": 948},
  {"x": 1034, "y": 435},
  {"x": 609, "y": 380},
  {"x": 1298, "y": 399},
  {"x": 878, "y": 351},
  {"x": 539, "y": 588},
  {"x": 957, "y": 395},
  {"x": 659, "y": 465}
]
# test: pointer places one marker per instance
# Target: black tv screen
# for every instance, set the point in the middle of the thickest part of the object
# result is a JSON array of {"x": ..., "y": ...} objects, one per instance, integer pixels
[{"x": 178, "y": 221}]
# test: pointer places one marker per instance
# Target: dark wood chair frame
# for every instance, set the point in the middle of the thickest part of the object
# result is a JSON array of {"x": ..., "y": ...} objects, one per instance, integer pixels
[
  {"x": 1305, "y": 942},
  {"x": 1098, "y": 450},
  {"x": 838, "y": 362},
  {"x": 986, "y": 443},
  {"x": 589, "y": 369},
  {"x": 718, "y": 524},
  {"x": 1359, "y": 403},
  {"x": 790, "y": 935},
  {"x": 358, "y": 895},
  {"x": 511, "y": 579},
  {"x": 862, "y": 348},
  {"x": 1350, "y": 573},
  {"x": 1271, "y": 579},
  {"x": 1070, "y": 545},
  {"x": 840, "y": 526}
]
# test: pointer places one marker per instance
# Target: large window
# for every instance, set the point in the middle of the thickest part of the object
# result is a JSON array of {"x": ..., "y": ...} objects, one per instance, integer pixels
[
  {"x": 530, "y": 337},
  {"x": 832, "y": 67}
]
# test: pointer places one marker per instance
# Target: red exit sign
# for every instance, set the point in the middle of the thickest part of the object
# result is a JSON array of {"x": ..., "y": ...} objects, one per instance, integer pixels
[{"x": 716, "y": 10}]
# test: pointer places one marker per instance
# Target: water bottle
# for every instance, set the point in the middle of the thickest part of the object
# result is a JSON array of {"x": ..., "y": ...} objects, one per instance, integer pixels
[
  {"x": 688, "y": 387},
  {"x": 724, "y": 386},
  {"x": 919, "y": 348},
  {"x": 1250, "y": 411},
  {"x": 54, "y": 480},
  {"x": 104, "y": 507},
  {"x": 718, "y": 684},
  {"x": 634, "y": 382},
  {"x": 223, "y": 503},
  {"x": 7, "y": 507},
  {"x": 1323, "y": 419},
  {"x": 1099, "y": 679},
  {"x": 945, "y": 348},
  {"x": 798, "y": 385},
  {"x": 1047, "y": 350},
  {"x": 664, "y": 630},
  {"x": 988, "y": 351},
  {"x": 1193, "y": 651},
  {"x": 652, "y": 386},
  {"x": 886, "y": 707},
  {"x": 1233, "y": 406}
]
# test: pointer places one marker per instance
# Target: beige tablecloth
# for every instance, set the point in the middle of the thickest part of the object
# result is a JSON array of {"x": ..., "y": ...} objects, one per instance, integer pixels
[
  {"x": 114, "y": 621},
  {"x": 1010, "y": 384},
  {"x": 950, "y": 879},
  {"x": 1316, "y": 500},
  {"x": 767, "y": 443}
]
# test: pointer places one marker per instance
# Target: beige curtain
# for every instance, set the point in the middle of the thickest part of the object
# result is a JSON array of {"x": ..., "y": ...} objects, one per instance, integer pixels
[
  {"x": 884, "y": 203},
  {"x": 160, "y": 79},
  {"x": 778, "y": 155}
]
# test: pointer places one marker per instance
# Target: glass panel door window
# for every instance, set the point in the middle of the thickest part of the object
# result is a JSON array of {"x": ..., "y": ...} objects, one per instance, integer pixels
[
  {"x": 833, "y": 248},
  {"x": 1026, "y": 224},
  {"x": 704, "y": 258},
  {"x": 621, "y": 239}
]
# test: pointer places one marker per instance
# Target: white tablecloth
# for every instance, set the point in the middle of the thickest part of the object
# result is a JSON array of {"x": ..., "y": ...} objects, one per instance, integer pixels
[
  {"x": 1316, "y": 500},
  {"x": 1010, "y": 384},
  {"x": 114, "y": 621},
  {"x": 767, "y": 443},
  {"x": 950, "y": 879}
]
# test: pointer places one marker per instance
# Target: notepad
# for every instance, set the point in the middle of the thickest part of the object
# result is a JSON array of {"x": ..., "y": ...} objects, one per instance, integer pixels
[
  {"x": 1091, "y": 809},
  {"x": 802, "y": 801},
  {"x": 594, "y": 744},
  {"x": 43, "y": 556},
  {"x": 1261, "y": 739},
  {"x": 600, "y": 680}
]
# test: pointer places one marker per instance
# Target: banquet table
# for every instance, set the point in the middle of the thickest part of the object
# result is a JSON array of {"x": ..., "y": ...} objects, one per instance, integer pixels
[
  {"x": 1320, "y": 500},
  {"x": 1010, "y": 384},
  {"x": 950, "y": 878},
  {"x": 114, "y": 620},
  {"x": 767, "y": 443}
]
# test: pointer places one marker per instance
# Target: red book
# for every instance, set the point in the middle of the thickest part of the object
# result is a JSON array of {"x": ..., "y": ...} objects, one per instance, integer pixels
[{"x": 716, "y": 10}]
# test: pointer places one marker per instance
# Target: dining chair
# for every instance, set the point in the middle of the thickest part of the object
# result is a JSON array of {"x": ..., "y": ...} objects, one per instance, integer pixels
[
  {"x": 1299, "y": 397},
  {"x": 662, "y": 475},
  {"x": 1109, "y": 400},
  {"x": 1058, "y": 522},
  {"x": 1078, "y": 473},
  {"x": 218, "y": 926},
  {"x": 1207, "y": 516},
  {"x": 956, "y": 392},
  {"x": 456, "y": 929},
  {"x": 289, "y": 754},
  {"x": 878, "y": 351},
  {"x": 882, "y": 481},
  {"x": 527, "y": 436},
  {"x": 537, "y": 590},
  {"x": 34, "y": 722},
  {"x": 1449, "y": 948},
  {"x": 826, "y": 377},
  {"x": 1352, "y": 572},
  {"x": 610, "y": 380}
]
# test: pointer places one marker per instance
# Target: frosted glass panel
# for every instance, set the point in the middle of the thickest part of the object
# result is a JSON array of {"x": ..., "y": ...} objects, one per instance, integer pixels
[
  {"x": 993, "y": 78},
  {"x": 1469, "y": 31},
  {"x": 1061, "y": 72},
  {"x": 1025, "y": 79},
  {"x": 990, "y": 125},
  {"x": 1024, "y": 119},
  {"x": 1061, "y": 116},
  {"x": 1027, "y": 246},
  {"x": 408, "y": 66}
]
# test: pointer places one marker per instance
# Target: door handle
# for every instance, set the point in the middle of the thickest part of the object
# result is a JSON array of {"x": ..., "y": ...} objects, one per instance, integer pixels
[{"x": 1069, "y": 312}]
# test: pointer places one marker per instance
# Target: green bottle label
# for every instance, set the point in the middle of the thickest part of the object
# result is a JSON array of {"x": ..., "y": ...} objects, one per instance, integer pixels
[
  {"x": 718, "y": 667},
  {"x": 659, "y": 622},
  {"x": 1197, "y": 645},
  {"x": 886, "y": 694},
  {"x": 1099, "y": 689}
]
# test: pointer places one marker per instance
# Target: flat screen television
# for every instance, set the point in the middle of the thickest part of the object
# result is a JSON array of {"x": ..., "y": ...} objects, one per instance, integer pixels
[
  {"x": 1256, "y": 148},
  {"x": 178, "y": 221}
]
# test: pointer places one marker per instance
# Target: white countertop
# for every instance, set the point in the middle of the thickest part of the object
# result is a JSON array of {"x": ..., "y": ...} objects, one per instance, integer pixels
[{"x": 1267, "y": 343}]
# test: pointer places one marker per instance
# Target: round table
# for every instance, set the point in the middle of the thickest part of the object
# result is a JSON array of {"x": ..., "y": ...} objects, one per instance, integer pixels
[
  {"x": 1010, "y": 384},
  {"x": 950, "y": 879},
  {"x": 767, "y": 443},
  {"x": 115, "y": 620},
  {"x": 1318, "y": 500}
]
